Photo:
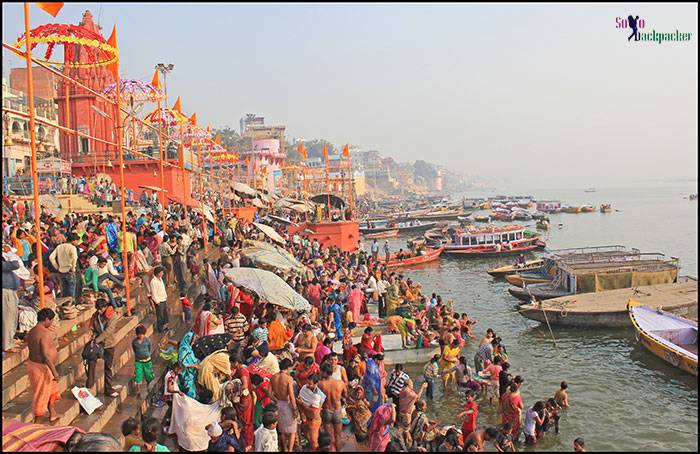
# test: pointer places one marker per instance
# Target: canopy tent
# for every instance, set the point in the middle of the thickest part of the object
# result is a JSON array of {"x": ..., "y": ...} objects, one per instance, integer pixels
[
  {"x": 270, "y": 232},
  {"x": 322, "y": 199},
  {"x": 269, "y": 287},
  {"x": 264, "y": 197},
  {"x": 244, "y": 189},
  {"x": 295, "y": 205},
  {"x": 267, "y": 256},
  {"x": 258, "y": 203}
]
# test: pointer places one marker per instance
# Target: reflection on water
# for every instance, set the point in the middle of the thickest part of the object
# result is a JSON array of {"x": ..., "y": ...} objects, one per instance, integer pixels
[{"x": 622, "y": 397}]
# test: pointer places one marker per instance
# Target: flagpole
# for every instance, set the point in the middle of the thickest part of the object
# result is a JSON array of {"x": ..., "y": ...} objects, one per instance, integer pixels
[
  {"x": 182, "y": 168},
  {"x": 35, "y": 178},
  {"x": 351, "y": 195},
  {"x": 162, "y": 174},
  {"x": 120, "y": 149},
  {"x": 205, "y": 232}
]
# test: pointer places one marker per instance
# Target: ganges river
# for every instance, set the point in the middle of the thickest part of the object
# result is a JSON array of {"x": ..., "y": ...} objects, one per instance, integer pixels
[{"x": 622, "y": 397}]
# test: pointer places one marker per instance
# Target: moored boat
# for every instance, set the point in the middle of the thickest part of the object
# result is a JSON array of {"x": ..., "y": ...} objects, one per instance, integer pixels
[
  {"x": 521, "y": 279},
  {"x": 570, "y": 209},
  {"x": 412, "y": 226},
  {"x": 609, "y": 309},
  {"x": 491, "y": 242},
  {"x": 428, "y": 255},
  {"x": 510, "y": 269},
  {"x": 542, "y": 225},
  {"x": 670, "y": 337},
  {"x": 587, "y": 209},
  {"x": 606, "y": 208},
  {"x": 482, "y": 218},
  {"x": 385, "y": 234}
]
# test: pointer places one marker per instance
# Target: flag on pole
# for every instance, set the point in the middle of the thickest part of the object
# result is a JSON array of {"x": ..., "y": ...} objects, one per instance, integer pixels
[
  {"x": 302, "y": 151},
  {"x": 114, "y": 67},
  {"x": 193, "y": 119},
  {"x": 177, "y": 107},
  {"x": 156, "y": 81},
  {"x": 50, "y": 7},
  {"x": 218, "y": 139},
  {"x": 325, "y": 152},
  {"x": 346, "y": 151}
]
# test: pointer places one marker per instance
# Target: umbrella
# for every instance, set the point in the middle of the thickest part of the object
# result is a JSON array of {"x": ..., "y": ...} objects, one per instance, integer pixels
[
  {"x": 153, "y": 188},
  {"x": 26, "y": 437},
  {"x": 269, "y": 287},
  {"x": 207, "y": 212},
  {"x": 266, "y": 256},
  {"x": 270, "y": 232},
  {"x": 257, "y": 203},
  {"x": 280, "y": 219},
  {"x": 336, "y": 201},
  {"x": 243, "y": 189}
]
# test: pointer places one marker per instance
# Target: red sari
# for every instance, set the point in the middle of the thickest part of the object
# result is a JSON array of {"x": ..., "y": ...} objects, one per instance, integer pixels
[{"x": 245, "y": 407}]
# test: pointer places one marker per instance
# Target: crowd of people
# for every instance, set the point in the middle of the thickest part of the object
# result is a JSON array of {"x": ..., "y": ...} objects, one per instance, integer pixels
[{"x": 248, "y": 375}]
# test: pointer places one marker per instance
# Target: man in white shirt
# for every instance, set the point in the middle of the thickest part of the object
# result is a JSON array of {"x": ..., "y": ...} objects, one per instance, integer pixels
[
  {"x": 65, "y": 260},
  {"x": 158, "y": 296}
]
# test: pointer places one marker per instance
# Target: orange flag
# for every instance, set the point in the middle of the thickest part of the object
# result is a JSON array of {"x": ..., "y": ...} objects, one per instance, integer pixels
[
  {"x": 302, "y": 151},
  {"x": 346, "y": 151},
  {"x": 193, "y": 119},
  {"x": 177, "y": 107},
  {"x": 325, "y": 152},
  {"x": 218, "y": 139},
  {"x": 112, "y": 41},
  {"x": 50, "y": 7},
  {"x": 156, "y": 80}
]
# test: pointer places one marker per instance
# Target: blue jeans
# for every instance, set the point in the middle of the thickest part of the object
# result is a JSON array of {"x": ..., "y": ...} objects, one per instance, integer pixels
[
  {"x": 188, "y": 313},
  {"x": 107, "y": 290},
  {"x": 68, "y": 285}
]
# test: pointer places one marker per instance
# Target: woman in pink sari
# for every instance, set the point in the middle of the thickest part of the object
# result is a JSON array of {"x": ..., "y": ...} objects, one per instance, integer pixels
[
  {"x": 355, "y": 302},
  {"x": 378, "y": 431}
]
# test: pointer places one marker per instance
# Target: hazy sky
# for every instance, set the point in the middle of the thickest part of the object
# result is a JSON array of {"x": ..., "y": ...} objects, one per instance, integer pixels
[{"x": 542, "y": 92}]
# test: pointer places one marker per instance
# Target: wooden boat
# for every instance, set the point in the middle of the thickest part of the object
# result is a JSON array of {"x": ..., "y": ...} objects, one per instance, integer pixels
[
  {"x": 491, "y": 242},
  {"x": 670, "y": 337},
  {"x": 413, "y": 228},
  {"x": 500, "y": 216},
  {"x": 486, "y": 219},
  {"x": 385, "y": 234},
  {"x": 609, "y": 309},
  {"x": 365, "y": 230},
  {"x": 587, "y": 209},
  {"x": 430, "y": 255},
  {"x": 539, "y": 292},
  {"x": 570, "y": 209},
  {"x": 486, "y": 205},
  {"x": 510, "y": 269},
  {"x": 442, "y": 215},
  {"x": 521, "y": 279},
  {"x": 590, "y": 190},
  {"x": 606, "y": 208},
  {"x": 540, "y": 216}
]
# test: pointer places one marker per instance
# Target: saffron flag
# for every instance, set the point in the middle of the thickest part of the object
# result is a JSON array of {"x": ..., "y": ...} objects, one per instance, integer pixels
[
  {"x": 193, "y": 119},
  {"x": 302, "y": 151},
  {"x": 177, "y": 107},
  {"x": 156, "y": 81},
  {"x": 346, "y": 151},
  {"x": 325, "y": 152},
  {"x": 114, "y": 67},
  {"x": 50, "y": 7},
  {"x": 218, "y": 139}
]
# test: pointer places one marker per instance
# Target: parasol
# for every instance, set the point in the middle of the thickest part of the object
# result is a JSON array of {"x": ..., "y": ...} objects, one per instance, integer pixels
[
  {"x": 270, "y": 232},
  {"x": 243, "y": 189},
  {"x": 280, "y": 219},
  {"x": 207, "y": 212},
  {"x": 266, "y": 256},
  {"x": 26, "y": 437},
  {"x": 269, "y": 287},
  {"x": 258, "y": 203},
  {"x": 134, "y": 89}
]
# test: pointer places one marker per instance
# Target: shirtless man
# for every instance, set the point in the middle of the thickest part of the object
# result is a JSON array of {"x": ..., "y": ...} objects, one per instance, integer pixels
[
  {"x": 43, "y": 377},
  {"x": 310, "y": 412},
  {"x": 482, "y": 436},
  {"x": 307, "y": 343},
  {"x": 332, "y": 413},
  {"x": 339, "y": 372},
  {"x": 283, "y": 391},
  {"x": 561, "y": 397}
]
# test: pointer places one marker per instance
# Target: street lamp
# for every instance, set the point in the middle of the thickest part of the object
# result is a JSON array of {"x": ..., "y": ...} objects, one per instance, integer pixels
[{"x": 164, "y": 70}]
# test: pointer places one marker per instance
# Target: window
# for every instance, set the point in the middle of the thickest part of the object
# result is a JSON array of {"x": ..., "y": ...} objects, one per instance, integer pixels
[
  {"x": 474, "y": 241},
  {"x": 511, "y": 236},
  {"x": 482, "y": 239},
  {"x": 519, "y": 235},
  {"x": 504, "y": 238}
]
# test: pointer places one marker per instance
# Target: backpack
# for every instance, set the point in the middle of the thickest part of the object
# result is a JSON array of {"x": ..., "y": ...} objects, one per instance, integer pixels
[{"x": 92, "y": 351}]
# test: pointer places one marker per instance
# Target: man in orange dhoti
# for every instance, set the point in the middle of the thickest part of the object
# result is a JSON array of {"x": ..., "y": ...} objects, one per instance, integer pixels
[{"x": 43, "y": 377}]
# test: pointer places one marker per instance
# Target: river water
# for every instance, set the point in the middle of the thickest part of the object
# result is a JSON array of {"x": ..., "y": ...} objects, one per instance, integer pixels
[{"x": 622, "y": 397}]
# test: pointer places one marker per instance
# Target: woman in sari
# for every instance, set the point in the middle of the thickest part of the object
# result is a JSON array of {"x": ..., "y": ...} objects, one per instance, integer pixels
[
  {"x": 393, "y": 298},
  {"x": 212, "y": 282},
  {"x": 372, "y": 383},
  {"x": 206, "y": 323},
  {"x": 186, "y": 356},
  {"x": 378, "y": 434},
  {"x": 359, "y": 412}
]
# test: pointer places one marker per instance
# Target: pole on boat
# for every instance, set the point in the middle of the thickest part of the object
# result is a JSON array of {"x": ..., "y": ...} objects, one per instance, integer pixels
[{"x": 35, "y": 178}]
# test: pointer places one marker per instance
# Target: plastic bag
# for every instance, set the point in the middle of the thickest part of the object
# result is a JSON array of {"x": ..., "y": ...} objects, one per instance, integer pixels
[{"x": 89, "y": 402}]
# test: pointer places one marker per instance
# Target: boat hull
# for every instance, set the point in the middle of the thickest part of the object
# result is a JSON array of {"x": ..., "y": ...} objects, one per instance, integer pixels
[
  {"x": 416, "y": 228},
  {"x": 480, "y": 253},
  {"x": 510, "y": 269},
  {"x": 385, "y": 234},
  {"x": 671, "y": 355},
  {"x": 524, "y": 294},
  {"x": 430, "y": 256},
  {"x": 519, "y": 280}
]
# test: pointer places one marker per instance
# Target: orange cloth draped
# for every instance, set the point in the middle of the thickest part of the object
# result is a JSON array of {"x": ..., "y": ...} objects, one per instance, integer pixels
[
  {"x": 276, "y": 335},
  {"x": 44, "y": 389}
]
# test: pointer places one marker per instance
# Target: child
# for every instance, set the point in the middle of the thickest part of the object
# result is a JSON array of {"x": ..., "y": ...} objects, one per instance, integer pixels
[
  {"x": 229, "y": 423},
  {"x": 579, "y": 445},
  {"x": 150, "y": 435},
  {"x": 130, "y": 431},
  {"x": 220, "y": 441},
  {"x": 143, "y": 366},
  {"x": 172, "y": 387},
  {"x": 494, "y": 371},
  {"x": 534, "y": 416},
  {"x": 561, "y": 397},
  {"x": 504, "y": 442},
  {"x": 266, "y": 435},
  {"x": 471, "y": 410},
  {"x": 552, "y": 415},
  {"x": 186, "y": 307}
]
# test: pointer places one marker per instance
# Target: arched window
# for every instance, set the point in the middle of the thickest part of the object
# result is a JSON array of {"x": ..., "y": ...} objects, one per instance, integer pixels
[{"x": 16, "y": 127}]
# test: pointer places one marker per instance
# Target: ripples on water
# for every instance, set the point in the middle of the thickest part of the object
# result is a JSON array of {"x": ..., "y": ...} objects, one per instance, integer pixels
[{"x": 622, "y": 397}]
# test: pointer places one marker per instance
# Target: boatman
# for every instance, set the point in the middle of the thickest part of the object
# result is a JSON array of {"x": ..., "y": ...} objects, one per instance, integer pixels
[
  {"x": 375, "y": 249},
  {"x": 386, "y": 249}
]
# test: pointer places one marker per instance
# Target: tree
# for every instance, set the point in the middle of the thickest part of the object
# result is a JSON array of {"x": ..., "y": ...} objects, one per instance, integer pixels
[{"x": 231, "y": 139}]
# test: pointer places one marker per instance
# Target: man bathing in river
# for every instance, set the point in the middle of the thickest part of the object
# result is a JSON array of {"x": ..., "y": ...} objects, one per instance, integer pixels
[
  {"x": 332, "y": 413},
  {"x": 283, "y": 390}
]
